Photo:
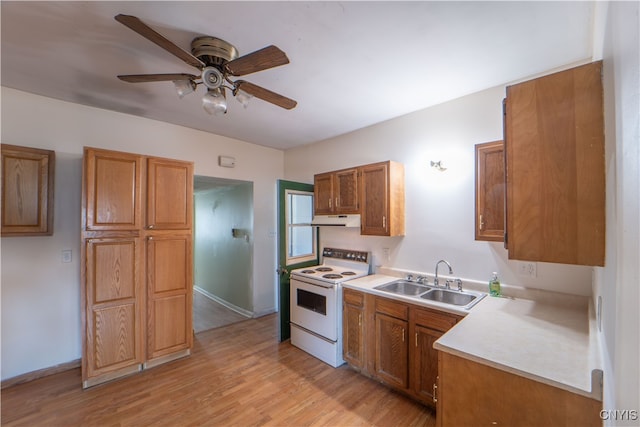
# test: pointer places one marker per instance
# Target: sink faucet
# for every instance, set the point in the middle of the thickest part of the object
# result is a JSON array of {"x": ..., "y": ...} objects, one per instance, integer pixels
[{"x": 435, "y": 281}]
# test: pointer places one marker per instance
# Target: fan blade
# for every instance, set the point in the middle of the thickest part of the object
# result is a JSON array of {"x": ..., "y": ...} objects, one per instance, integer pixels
[
  {"x": 142, "y": 78},
  {"x": 266, "y": 95},
  {"x": 147, "y": 32},
  {"x": 259, "y": 60}
]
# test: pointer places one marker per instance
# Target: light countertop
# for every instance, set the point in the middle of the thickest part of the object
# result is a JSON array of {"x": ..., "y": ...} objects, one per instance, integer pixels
[{"x": 549, "y": 342}]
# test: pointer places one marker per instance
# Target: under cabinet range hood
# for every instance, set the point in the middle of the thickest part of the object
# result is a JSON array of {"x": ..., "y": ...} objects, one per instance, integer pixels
[{"x": 336, "y": 220}]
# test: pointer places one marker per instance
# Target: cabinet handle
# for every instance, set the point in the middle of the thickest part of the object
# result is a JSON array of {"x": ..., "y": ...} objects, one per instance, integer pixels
[
  {"x": 402, "y": 334},
  {"x": 150, "y": 227},
  {"x": 337, "y": 202},
  {"x": 435, "y": 391},
  {"x": 330, "y": 200},
  {"x": 481, "y": 222},
  {"x": 359, "y": 319},
  {"x": 150, "y": 238},
  {"x": 384, "y": 222},
  {"x": 416, "y": 339}
]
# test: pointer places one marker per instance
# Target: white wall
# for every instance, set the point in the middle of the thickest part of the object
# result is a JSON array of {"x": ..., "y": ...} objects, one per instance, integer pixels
[
  {"x": 439, "y": 205},
  {"x": 617, "y": 283},
  {"x": 41, "y": 295}
]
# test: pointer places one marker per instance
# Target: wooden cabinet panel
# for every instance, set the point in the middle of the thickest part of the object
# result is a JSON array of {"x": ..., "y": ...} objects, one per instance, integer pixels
[
  {"x": 170, "y": 194},
  {"x": 27, "y": 191},
  {"x": 346, "y": 191},
  {"x": 382, "y": 199},
  {"x": 169, "y": 285},
  {"x": 353, "y": 335},
  {"x": 490, "y": 191},
  {"x": 491, "y": 396},
  {"x": 391, "y": 358},
  {"x": 113, "y": 193},
  {"x": 424, "y": 370},
  {"x": 323, "y": 193},
  {"x": 554, "y": 147},
  {"x": 113, "y": 308}
]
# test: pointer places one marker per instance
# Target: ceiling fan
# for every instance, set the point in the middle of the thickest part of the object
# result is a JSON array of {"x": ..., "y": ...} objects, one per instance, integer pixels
[{"x": 217, "y": 61}]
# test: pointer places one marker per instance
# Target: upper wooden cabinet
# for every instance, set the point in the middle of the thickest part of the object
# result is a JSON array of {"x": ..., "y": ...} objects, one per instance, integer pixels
[
  {"x": 554, "y": 146},
  {"x": 490, "y": 191},
  {"x": 170, "y": 194},
  {"x": 336, "y": 192},
  {"x": 382, "y": 199},
  {"x": 113, "y": 190},
  {"x": 27, "y": 191},
  {"x": 374, "y": 191}
]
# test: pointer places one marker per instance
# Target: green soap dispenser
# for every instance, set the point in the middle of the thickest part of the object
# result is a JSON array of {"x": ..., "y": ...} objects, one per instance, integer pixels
[{"x": 494, "y": 286}]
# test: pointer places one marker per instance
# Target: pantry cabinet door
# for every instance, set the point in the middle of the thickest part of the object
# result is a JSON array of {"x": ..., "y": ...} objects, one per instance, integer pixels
[
  {"x": 113, "y": 192},
  {"x": 170, "y": 296},
  {"x": 112, "y": 312},
  {"x": 170, "y": 194}
]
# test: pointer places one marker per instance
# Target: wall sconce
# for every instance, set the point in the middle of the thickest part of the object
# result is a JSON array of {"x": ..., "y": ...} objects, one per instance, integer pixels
[{"x": 438, "y": 165}]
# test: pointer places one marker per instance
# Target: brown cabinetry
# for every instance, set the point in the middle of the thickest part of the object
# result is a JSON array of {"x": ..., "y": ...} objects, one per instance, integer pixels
[
  {"x": 490, "y": 396},
  {"x": 137, "y": 262},
  {"x": 353, "y": 328},
  {"x": 336, "y": 192},
  {"x": 393, "y": 342},
  {"x": 490, "y": 191},
  {"x": 555, "y": 173},
  {"x": 27, "y": 191},
  {"x": 382, "y": 199}
]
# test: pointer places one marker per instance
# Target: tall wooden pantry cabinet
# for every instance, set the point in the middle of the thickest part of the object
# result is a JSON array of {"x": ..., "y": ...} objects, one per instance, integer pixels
[{"x": 137, "y": 263}]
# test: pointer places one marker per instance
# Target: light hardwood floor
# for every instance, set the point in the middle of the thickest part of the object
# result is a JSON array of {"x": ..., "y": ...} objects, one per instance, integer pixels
[
  {"x": 209, "y": 314},
  {"x": 238, "y": 375}
]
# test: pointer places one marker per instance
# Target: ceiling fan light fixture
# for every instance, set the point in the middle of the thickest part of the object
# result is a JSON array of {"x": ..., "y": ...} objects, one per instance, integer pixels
[
  {"x": 215, "y": 102},
  {"x": 243, "y": 97},
  {"x": 184, "y": 87}
]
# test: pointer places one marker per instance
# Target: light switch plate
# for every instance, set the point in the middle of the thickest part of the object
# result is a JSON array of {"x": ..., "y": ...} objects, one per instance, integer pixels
[{"x": 67, "y": 255}]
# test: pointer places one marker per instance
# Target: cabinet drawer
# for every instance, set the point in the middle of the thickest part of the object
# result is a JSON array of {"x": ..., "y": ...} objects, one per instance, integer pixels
[
  {"x": 353, "y": 297},
  {"x": 392, "y": 308},
  {"x": 434, "y": 319}
]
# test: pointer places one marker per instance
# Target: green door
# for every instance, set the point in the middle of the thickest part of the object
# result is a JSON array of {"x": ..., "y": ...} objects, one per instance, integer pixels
[{"x": 297, "y": 241}]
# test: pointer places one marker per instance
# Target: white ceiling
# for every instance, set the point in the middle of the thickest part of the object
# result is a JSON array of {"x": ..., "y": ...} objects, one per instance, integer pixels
[{"x": 353, "y": 64}]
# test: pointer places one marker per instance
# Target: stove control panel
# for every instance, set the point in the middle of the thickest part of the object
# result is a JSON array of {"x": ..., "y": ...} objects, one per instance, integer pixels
[{"x": 347, "y": 254}]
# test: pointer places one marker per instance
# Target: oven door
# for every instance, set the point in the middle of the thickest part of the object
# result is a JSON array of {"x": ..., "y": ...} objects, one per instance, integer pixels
[{"x": 315, "y": 308}]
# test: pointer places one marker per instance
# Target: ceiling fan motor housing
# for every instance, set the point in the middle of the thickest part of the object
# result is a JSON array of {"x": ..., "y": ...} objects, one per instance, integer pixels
[{"x": 213, "y": 51}]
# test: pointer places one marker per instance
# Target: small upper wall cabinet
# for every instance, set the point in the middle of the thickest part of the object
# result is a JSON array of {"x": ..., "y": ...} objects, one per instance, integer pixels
[
  {"x": 27, "y": 191},
  {"x": 336, "y": 192},
  {"x": 554, "y": 147},
  {"x": 490, "y": 191}
]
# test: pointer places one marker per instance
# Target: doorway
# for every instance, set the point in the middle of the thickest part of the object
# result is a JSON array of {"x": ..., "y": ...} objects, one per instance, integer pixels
[{"x": 223, "y": 252}]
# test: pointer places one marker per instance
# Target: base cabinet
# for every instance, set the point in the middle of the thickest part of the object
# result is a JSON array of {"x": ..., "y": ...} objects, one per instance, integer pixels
[
  {"x": 394, "y": 342},
  {"x": 490, "y": 396}
]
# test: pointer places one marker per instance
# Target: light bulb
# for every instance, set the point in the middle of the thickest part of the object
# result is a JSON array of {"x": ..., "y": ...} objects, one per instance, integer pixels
[
  {"x": 243, "y": 97},
  {"x": 184, "y": 87},
  {"x": 215, "y": 102}
]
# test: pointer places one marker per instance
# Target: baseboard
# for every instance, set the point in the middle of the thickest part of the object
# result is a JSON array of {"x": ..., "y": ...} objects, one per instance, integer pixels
[
  {"x": 41, "y": 373},
  {"x": 239, "y": 310}
]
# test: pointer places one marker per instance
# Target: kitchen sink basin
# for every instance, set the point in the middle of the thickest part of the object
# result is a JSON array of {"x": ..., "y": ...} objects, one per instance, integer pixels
[
  {"x": 458, "y": 298},
  {"x": 404, "y": 287}
]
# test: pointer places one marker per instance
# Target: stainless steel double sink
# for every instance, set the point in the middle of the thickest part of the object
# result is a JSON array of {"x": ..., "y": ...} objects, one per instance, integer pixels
[{"x": 459, "y": 298}]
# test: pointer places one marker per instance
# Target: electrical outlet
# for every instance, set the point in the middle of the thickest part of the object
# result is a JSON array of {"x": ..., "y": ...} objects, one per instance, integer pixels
[
  {"x": 385, "y": 253},
  {"x": 66, "y": 255},
  {"x": 527, "y": 269}
]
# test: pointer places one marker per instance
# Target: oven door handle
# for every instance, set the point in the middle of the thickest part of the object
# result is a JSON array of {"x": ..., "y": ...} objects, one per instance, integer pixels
[{"x": 280, "y": 270}]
